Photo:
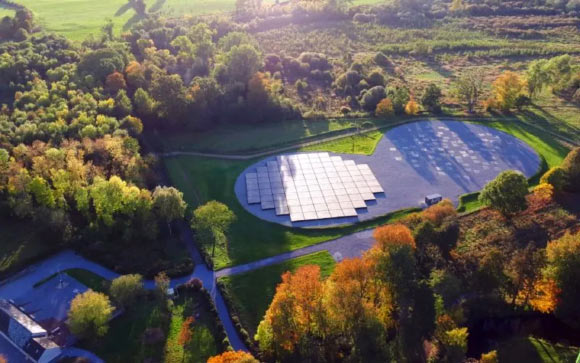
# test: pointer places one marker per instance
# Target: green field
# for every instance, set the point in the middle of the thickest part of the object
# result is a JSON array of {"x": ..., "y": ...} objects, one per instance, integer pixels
[
  {"x": 251, "y": 292},
  {"x": 76, "y": 19},
  {"x": 534, "y": 350},
  {"x": 363, "y": 144}
]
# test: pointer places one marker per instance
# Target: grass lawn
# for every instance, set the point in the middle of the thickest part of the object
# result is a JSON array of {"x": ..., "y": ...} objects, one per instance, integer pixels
[
  {"x": 531, "y": 350},
  {"x": 363, "y": 144},
  {"x": 204, "y": 343},
  {"x": 20, "y": 245},
  {"x": 89, "y": 279},
  {"x": 252, "y": 292}
]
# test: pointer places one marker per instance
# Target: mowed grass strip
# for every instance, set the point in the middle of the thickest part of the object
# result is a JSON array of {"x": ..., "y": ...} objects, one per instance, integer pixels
[
  {"x": 251, "y": 293},
  {"x": 363, "y": 144}
]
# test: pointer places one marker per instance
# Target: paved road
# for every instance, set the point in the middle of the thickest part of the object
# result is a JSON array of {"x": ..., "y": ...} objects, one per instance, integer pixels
[{"x": 349, "y": 246}]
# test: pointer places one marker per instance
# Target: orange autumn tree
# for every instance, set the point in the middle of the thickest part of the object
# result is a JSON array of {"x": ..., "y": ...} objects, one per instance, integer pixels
[
  {"x": 295, "y": 312},
  {"x": 393, "y": 235},
  {"x": 185, "y": 333},
  {"x": 353, "y": 297},
  {"x": 233, "y": 357},
  {"x": 412, "y": 107}
]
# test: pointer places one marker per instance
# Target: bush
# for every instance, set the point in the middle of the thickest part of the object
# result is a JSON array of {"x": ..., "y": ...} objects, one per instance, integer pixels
[
  {"x": 376, "y": 78},
  {"x": 364, "y": 18},
  {"x": 431, "y": 98},
  {"x": 372, "y": 97},
  {"x": 126, "y": 289},
  {"x": 556, "y": 177},
  {"x": 382, "y": 60}
]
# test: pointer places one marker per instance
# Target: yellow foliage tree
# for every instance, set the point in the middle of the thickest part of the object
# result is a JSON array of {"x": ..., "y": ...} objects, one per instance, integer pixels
[
  {"x": 506, "y": 89},
  {"x": 490, "y": 357},
  {"x": 412, "y": 107},
  {"x": 385, "y": 108},
  {"x": 545, "y": 295}
]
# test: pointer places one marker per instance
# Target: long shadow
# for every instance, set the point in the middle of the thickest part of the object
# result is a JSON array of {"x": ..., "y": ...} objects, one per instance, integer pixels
[
  {"x": 423, "y": 149},
  {"x": 157, "y": 6},
  {"x": 123, "y": 9},
  {"x": 134, "y": 19}
]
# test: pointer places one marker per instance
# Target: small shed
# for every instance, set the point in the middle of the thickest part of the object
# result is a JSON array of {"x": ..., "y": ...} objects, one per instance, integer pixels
[{"x": 433, "y": 199}]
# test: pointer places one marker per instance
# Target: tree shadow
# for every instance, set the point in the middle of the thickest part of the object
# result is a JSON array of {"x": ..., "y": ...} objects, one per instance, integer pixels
[
  {"x": 133, "y": 20},
  {"x": 123, "y": 9},
  {"x": 157, "y": 6}
]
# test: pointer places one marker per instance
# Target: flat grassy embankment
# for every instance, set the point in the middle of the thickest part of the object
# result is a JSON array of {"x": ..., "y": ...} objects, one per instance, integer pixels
[{"x": 250, "y": 293}]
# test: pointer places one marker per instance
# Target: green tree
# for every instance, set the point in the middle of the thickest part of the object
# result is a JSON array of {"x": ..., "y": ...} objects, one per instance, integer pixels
[
  {"x": 372, "y": 97},
  {"x": 556, "y": 177},
  {"x": 506, "y": 193},
  {"x": 571, "y": 166},
  {"x": 242, "y": 62},
  {"x": 563, "y": 266},
  {"x": 123, "y": 106},
  {"x": 168, "y": 204},
  {"x": 212, "y": 220},
  {"x": 89, "y": 314},
  {"x": 144, "y": 104},
  {"x": 170, "y": 94},
  {"x": 537, "y": 76},
  {"x": 126, "y": 289},
  {"x": 162, "y": 284},
  {"x": 468, "y": 88},
  {"x": 431, "y": 98}
]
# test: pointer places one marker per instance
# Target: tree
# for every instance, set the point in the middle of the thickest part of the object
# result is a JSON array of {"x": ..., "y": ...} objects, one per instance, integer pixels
[
  {"x": 185, "y": 334},
  {"x": 161, "y": 285},
  {"x": 385, "y": 108},
  {"x": 115, "y": 82},
  {"x": 144, "y": 104},
  {"x": 295, "y": 312},
  {"x": 372, "y": 97},
  {"x": 168, "y": 204},
  {"x": 212, "y": 220},
  {"x": 506, "y": 89},
  {"x": 412, "y": 108},
  {"x": 431, "y": 98},
  {"x": 468, "y": 88},
  {"x": 537, "y": 76},
  {"x": 170, "y": 94},
  {"x": 89, "y": 314},
  {"x": 233, "y": 357},
  {"x": 123, "y": 106},
  {"x": 563, "y": 267},
  {"x": 242, "y": 62},
  {"x": 126, "y": 289},
  {"x": 506, "y": 193},
  {"x": 455, "y": 344},
  {"x": 556, "y": 177},
  {"x": 571, "y": 165}
]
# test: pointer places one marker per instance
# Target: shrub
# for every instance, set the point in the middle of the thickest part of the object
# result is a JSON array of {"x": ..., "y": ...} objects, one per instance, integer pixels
[
  {"x": 382, "y": 60},
  {"x": 376, "y": 78},
  {"x": 438, "y": 212},
  {"x": 372, "y": 97},
  {"x": 431, "y": 98},
  {"x": 345, "y": 110},
  {"x": 301, "y": 86},
  {"x": 556, "y": 177},
  {"x": 126, "y": 289}
]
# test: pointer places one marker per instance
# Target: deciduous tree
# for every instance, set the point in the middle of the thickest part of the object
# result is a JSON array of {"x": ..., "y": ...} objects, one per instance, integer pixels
[
  {"x": 126, "y": 289},
  {"x": 89, "y": 314},
  {"x": 506, "y": 89},
  {"x": 506, "y": 193},
  {"x": 233, "y": 357},
  {"x": 168, "y": 204}
]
